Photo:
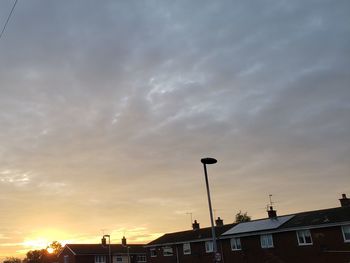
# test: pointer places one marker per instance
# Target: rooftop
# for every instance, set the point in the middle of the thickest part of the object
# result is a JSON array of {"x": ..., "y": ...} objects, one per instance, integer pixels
[
  {"x": 98, "y": 249},
  {"x": 258, "y": 225},
  {"x": 190, "y": 235},
  {"x": 319, "y": 217}
]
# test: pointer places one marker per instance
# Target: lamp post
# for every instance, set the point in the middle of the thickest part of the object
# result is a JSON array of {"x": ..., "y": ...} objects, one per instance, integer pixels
[
  {"x": 206, "y": 161},
  {"x": 128, "y": 251},
  {"x": 109, "y": 244}
]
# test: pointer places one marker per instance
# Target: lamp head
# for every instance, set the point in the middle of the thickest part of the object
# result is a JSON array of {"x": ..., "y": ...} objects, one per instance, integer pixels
[{"x": 208, "y": 160}]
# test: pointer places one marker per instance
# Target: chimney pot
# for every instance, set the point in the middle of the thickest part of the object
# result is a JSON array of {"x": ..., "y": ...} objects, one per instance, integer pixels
[
  {"x": 124, "y": 241},
  {"x": 344, "y": 201},
  {"x": 219, "y": 222},
  {"x": 195, "y": 225},
  {"x": 272, "y": 213}
]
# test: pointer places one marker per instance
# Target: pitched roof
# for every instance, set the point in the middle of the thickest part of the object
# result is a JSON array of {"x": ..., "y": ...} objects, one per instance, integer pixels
[
  {"x": 319, "y": 217},
  {"x": 189, "y": 235},
  {"x": 325, "y": 217},
  {"x": 98, "y": 249},
  {"x": 258, "y": 225}
]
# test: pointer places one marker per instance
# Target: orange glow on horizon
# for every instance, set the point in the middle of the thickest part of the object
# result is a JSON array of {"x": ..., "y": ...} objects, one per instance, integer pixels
[
  {"x": 39, "y": 239},
  {"x": 36, "y": 243}
]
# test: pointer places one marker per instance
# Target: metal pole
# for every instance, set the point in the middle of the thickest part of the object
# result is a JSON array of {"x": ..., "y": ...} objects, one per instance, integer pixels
[
  {"x": 211, "y": 212},
  {"x": 110, "y": 255},
  {"x": 177, "y": 254},
  {"x": 191, "y": 217}
]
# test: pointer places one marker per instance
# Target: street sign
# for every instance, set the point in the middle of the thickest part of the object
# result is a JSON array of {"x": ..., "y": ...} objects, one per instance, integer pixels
[{"x": 217, "y": 257}]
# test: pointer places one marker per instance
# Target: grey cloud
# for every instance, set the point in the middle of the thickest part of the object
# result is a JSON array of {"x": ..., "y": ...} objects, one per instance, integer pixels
[{"x": 111, "y": 105}]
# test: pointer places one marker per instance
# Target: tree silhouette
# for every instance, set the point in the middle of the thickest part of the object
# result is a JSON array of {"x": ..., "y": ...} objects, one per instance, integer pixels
[
  {"x": 240, "y": 217},
  {"x": 43, "y": 256},
  {"x": 56, "y": 246},
  {"x": 12, "y": 260},
  {"x": 34, "y": 256}
]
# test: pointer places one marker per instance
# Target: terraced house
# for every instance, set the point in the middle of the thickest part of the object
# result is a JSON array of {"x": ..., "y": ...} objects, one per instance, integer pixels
[
  {"x": 187, "y": 246},
  {"x": 311, "y": 236},
  {"x": 97, "y": 253}
]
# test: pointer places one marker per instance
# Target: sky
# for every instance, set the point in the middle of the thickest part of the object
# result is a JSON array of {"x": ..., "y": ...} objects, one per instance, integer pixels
[{"x": 107, "y": 107}]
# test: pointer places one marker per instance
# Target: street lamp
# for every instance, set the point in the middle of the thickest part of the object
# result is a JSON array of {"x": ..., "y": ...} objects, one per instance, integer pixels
[
  {"x": 206, "y": 161},
  {"x": 109, "y": 243},
  {"x": 128, "y": 253}
]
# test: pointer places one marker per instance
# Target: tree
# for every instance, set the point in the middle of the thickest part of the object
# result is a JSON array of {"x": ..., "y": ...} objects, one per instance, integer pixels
[
  {"x": 34, "y": 256},
  {"x": 240, "y": 217},
  {"x": 12, "y": 260},
  {"x": 43, "y": 256},
  {"x": 56, "y": 246}
]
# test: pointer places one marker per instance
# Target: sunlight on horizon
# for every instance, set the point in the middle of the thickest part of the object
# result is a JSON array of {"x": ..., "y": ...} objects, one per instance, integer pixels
[
  {"x": 42, "y": 239},
  {"x": 108, "y": 107}
]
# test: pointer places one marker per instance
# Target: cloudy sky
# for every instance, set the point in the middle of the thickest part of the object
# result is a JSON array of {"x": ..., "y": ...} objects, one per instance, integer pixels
[{"x": 106, "y": 108}]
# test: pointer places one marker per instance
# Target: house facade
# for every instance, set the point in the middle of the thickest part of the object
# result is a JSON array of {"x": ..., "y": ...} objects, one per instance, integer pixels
[
  {"x": 312, "y": 236},
  {"x": 96, "y": 253},
  {"x": 191, "y": 246}
]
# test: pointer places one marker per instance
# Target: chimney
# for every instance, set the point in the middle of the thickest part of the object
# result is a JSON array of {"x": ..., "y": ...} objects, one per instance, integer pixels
[
  {"x": 195, "y": 225},
  {"x": 124, "y": 241},
  {"x": 272, "y": 213},
  {"x": 344, "y": 201},
  {"x": 219, "y": 222},
  {"x": 103, "y": 242}
]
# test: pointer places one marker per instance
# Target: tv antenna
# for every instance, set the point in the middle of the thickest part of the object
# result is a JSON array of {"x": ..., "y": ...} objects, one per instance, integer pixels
[
  {"x": 271, "y": 202},
  {"x": 189, "y": 213},
  {"x": 270, "y": 197},
  {"x": 215, "y": 210}
]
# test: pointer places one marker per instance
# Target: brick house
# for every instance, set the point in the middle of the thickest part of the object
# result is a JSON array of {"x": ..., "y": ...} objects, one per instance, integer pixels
[
  {"x": 312, "y": 236},
  {"x": 96, "y": 253},
  {"x": 191, "y": 246}
]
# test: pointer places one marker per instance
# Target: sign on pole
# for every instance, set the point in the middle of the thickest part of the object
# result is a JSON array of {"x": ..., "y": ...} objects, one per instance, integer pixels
[{"x": 217, "y": 257}]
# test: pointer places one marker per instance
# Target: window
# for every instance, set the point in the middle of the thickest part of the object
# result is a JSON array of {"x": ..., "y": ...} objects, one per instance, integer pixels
[
  {"x": 266, "y": 241},
  {"x": 304, "y": 237},
  {"x": 119, "y": 259},
  {"x": 236, "y": 244},
  {"x": 66, "y": 259},
  {"x": 209, "y": 246},
  {"x": 187, "y": 248},
  {"x": 100, "y": 259},
  {"x": 153, "y": 252},
  {"x": 141, "y": 258},
  {"x": 346, "y": 233},
  {"x": 167, "y": 251}
]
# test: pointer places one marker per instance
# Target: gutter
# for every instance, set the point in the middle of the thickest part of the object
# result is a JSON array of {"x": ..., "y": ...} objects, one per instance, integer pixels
[
  {"x": 336, "y": 251},
  {"x": 178, "y": 243}
]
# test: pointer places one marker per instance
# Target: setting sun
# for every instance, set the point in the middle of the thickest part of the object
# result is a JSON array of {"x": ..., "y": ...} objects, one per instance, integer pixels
[
  {"x": 109, "y": 111},
  {"x": 41, "y": 239}
]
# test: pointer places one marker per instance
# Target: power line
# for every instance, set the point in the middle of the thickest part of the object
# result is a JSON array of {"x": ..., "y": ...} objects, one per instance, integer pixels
[{"x": 8, "y": 18}]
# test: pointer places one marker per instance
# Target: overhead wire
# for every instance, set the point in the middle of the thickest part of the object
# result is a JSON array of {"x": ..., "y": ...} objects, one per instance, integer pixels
[{"x": 8, "y": 19}]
